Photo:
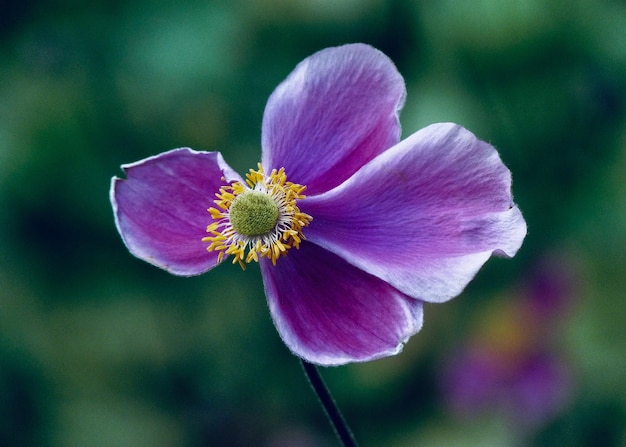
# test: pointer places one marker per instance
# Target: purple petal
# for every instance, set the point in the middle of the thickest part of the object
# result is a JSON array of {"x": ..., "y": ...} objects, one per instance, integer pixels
[
  {"x": 423, "y": 216},
  {"x": 336, "y": 111},
  {"x": 472, "y": 380},
  {"x": 329, "y": 312},
  {"x": 541, "y": 389},
  {"x": 161, "y": 208}
]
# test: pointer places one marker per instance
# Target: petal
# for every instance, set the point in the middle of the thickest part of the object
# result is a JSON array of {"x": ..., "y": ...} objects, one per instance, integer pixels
[
  {"x": 329, "y": 312},
  {"x": 336, "y": 111},
  {"x": 161, "y": 208},
  {"x": 423, "y": 216}
]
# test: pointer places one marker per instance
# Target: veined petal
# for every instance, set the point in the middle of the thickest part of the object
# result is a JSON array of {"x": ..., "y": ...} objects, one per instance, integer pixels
[
  {"x": 336, "y": 111},
  {"x": 423, "y": 216},
  {"x": 161, "y": 208},
  {"x": 329, "y": 312}
]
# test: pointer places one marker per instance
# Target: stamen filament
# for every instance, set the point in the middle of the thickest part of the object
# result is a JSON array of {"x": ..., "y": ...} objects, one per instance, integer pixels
[{"x": 286, "y": 232}]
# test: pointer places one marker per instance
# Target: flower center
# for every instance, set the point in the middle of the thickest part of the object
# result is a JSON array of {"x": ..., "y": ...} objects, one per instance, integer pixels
[
  {"x": 253, "y": 213},
  {"x": 257, "y": 218}
]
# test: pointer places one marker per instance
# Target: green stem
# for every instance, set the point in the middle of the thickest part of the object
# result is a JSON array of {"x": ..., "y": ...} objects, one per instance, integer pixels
[{"x": 331, "y": 409}]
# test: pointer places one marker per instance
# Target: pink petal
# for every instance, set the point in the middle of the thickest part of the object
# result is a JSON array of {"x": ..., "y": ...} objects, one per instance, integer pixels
[
  {"x": 336, "y": 111},
  {"x": 161, "y": 208},
  {"x": 423, "y": 216},
  {"x": 328, "y": 312}
]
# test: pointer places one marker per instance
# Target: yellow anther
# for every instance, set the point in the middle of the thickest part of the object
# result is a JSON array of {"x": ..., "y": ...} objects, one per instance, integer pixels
[{"x": 273, "y": 239}]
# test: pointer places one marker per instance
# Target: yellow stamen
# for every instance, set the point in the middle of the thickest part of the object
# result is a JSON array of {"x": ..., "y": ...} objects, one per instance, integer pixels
[{"x": 253, "y": 217}]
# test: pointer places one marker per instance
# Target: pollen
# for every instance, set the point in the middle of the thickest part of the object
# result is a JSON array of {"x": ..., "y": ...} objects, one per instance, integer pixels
[{"x": 258, "y": 218}]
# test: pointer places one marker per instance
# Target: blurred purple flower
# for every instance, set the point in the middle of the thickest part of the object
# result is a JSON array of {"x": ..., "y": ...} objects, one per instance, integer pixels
[
  {"x": 389, "y": 224},
  {"x": 530, "y": 390},
  {"x": 509, "y": 365}
]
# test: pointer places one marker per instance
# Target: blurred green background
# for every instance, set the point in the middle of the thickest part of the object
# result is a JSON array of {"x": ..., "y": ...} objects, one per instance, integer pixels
[{"x": 100, "y": 349}]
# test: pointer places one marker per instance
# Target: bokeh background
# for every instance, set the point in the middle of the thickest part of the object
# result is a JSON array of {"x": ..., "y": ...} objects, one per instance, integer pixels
[{"x": 100, "y": 349}]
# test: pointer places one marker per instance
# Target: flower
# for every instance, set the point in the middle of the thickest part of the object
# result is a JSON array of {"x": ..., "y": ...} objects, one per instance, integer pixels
[
  {"x": 528, "y": 392},
  {"x": 386, "y": 225},
  {"x": 510, "y": 364}
]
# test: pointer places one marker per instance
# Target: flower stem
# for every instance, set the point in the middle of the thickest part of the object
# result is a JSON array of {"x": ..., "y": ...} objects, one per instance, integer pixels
[{"x": 331, "y": 409}]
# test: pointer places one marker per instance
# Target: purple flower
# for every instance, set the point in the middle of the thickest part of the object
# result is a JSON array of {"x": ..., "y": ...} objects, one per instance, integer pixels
[
  {"x": 510, "y": 363},
  {"x": 529, "y": 390},
  {"x": 385, "y": 226}
]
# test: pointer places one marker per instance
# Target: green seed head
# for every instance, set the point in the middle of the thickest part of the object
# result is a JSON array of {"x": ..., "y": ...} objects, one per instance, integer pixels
[{"x": 253, "y": 213}]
